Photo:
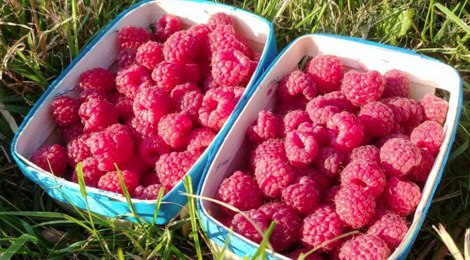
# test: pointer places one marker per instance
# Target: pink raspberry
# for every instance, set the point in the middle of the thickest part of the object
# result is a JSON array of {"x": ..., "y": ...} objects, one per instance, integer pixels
[
  {"x": 398, "y": 157},
  {"x": 53, "y": 154},
  {"x": 377, "y": 119},
  {"x": 78, "y": 150},
  {"x": 319, "y": 132},
  {"x": 189, "y": 103},
  {"x": 321, "y": 182},
  {"x": 93, "y": 94},
  {"x": 403, "y": 108},
  {"x": 135, "y": 164},
  {"x": 150, "y": 192},
  {"x": 267, "y": 126},
  {"x": 337, "y": 99},
  {"x": 292, "y": 121},
  {"x": 248, "y": 50},
  {"x": 131, "y": 37},
  {"x": 199, "y": 139},
  {"x": 287, "y": 224},
  {"x": 301, "y": 148},
  {"x": 181, "y": 48},
  {"x": 149, "y": 55},
  {"x": 416, "y": 118},
  {"x": 201, "y": 31},
  {"x": 267, "y": 151},
  {"x": 229, "y": 68},
  {"x": 240, "y": 191},
  {"x": 152, "y": 148},
  {"x": 191, "y": 73},
  {"x": 328, "y": 161},
  {"x": 384, "y": 139},
  {"x": 149, "y": 179},
  {"x": 272, "y": 176},
  {"x": 167, "y": 75},
  {"x": 71, "y": 131},
  {"x": 174, "y": 129},
  {"x": 368, "y": 152},
  {"x": 91, "y": 173},
  {"x": 64, "y": 110},
  {"x": 396, "y": 84},
  {"x": 235, "y": 92},
  {"x": 209, "y": 83},
  {"x": 435, "y": 108},
  {"x": 97, "y": 78},
  {"x": 126, "y": 57},
  {"x": 354, "y": 205},
  {"x": 401, "y": 196},
  {"x": 362, "y": 88},
  {"x": 110, "y": 181},
  {"x": 124, "y": 107},
  {"x": 286, "y": 107},
  {"x": 428, "y": 135},
  {"x": 151, "y": 104},
  {"x": 346, "y": 131},
  {"x": 364, "y": 247},
  {"x": 141, "y": 129},
  {"x": 301, "y": 195},
  {"x": 180, "y": 90},
  {"x": 219, "y": 19},
  {"x": 328, "y": 198},
  {"x": 320, "y": 226},
  {"x": 296, "y": 84},
  {"x": 97, "y": 115},
  {"x": 368, "y": 139},
  {"x": 319, "y": 112},
  {"x": 388, "y": 226},
  {"x": 365, "y": 174},
  {"x": 165, "y": 26},
  {"x": 421, "y": 172},
  {"x": 130, "y": 79},
  {"x": 242, "y": 226},
  {"x": 173, "y": 166},
  {"x": 223, "y": 38},
  {"x": 216, "y": 107},
  {"x": 326, "y": 71},
  {"x": 295, "y": 255}
]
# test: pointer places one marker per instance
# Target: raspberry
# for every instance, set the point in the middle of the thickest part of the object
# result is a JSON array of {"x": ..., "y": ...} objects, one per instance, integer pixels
[
  {"x": 78, "y": 150},
  {"x": 235, "y": 92},
  {"x": 377, "y": 119},
  {"x": 421, "y": 172},
  {"x": 149, "y": 179},
  {"x": 401, "y": 107},
  {"x": 399, "y": 156},
  {"x": 287, "y": 224},
  {"x": 201, "y": 31},
  {"x": 354, "y": 205},
  {"x": 126, "y": 57},
  {"x": 173, "y": 166},
  {"x": 216, "y": 107},
  {"x": 346, "y": 131},
  {"x": 124, "y": 107},
  {"x": 319, "y": 112},
  {"x": 286, "y": 107},
  {"x": 328, "y": 161},
  {"x": 240, "y": 191},
  {"x": 364, "y": 247},
  {"x": 174, "y": 129},
  {"x": 97, "y": 115},
  {"x": 223, "y": 38},
  {"x": 135, "y": 164},
  {"x": 248, "y": 50},
  {"x": 92, "y": 94},
  {"x": 219, "y": 19},
  {"x": 179, "y": 91},
  {"x": 301, "y": 148},
  {"x": 293, "y": 120},
  {"x": 396, "y": 84},
  {"x": 152, "y": 148},
  {"x": 272, "y": 176},
  {"x": 416, "y": 118},
  {"x": 301, "y": 195},
  {"x": 165, "y": 26},
  {"x": 141, "y": 129},
  {"x": 167, "y": 75},
  {"x": 91, "y": 173},
  {"x": 402, "y": 196},
  {"x": 368, "y": 139},
  {"x": 242, "y": 226},
  {"x": 389, "y": 227},
  {"x": 71, "y": 131},
  {"x": 189, "y": 104},
  {"x": 384, "y": 139},
  {"x": 204, "y": 66},
  {"x": 362, "y": 88},
  {"x": 368, "y": 152},
  {"x": 97, "y": 78},
  {"x": 328, "y": 198},
  {"x": 149, "y": 55},
  {"x": 319, "y": 132},
  {"x": 319, "y": 227},
  {"x": 321, "y": 182},
  {"x": 199, "y": 139},
  {"x": 130, "y": 79},
  {"x": 64, "y": 110},
  {"x": 151, "y": 104},
  {"x": 365, "y": 174},
  {"x": 131, "y": 37},
  {"x": 267, "y": 126},
  {"x": 210, "y": 83},
  {"x": 435, "y": 108},
  {"x": 295, "y": 255},
  {"x": 428, "y": 135},
  {"x": 229, "y": 68},
  {"x": 110, "y": 181},
  {"x": 337, "y": 99},
  {"x": 181, "y": 48},
  {"x": 267, "y": 151},
  {"x": 150, "y": 192},
  {"x": 295, "y": 85},
  {"x": 53, "y": 154},
  {"x": 326, "y": 71},
  {"x": 225, "y": 220},
  {"x": 191, "y": 73}
]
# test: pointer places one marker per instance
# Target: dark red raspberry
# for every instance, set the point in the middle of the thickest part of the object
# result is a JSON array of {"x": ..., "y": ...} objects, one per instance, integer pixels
[
  {"x": 435, "y": 108},
  {"x": 71, "y": 131},
  {"x": 365, "y": 174},
  {"x": 326, "y": 71},
  {"x": 292, "y": 121},
  {"x": 364, "y": 247},
  {"x": 377, "y": 119},
  {"x": 362, "y": 88},
  {"x": 223, "y": 38},
  {"x": 328, "y": 198},
  {"x": 421, "y": 172},
  {"x": 181, "y": 48},
  {"x": 321, "y": 182},
  {"x": 149, "y": 55},
  {"x": 301, "y": 148},
  {"x": 219, "y": 19},
  {"x": 428, "y": 135},
  {"x": 242, "y": 226},
  {"x": 152, "y": 148},
  {"x": 129, "y": 80},
  {"x": 401, "y": 196},
  {"x": 174, "y": 129},
  {"x": 399, "y": 156},
  {"x": 151, "y": 104},
  {"x": 97, "y": 115},
  {"x": 167, "y": 75},
  {"x": 97, "y": 78},
  {"x": 150, "y": 192},
  {"x": 272, "y": 176},
  {"x": 295, "y": 255},
  {"x": 191, "y": 73},
  {"x": 141, "y": 129},
  {"x": 165, "y": 26},
  {"x": 368, "y": 152},
  {"x": 267, "y": 151},
  {"x": 328, "y": 161},
  {"x": 78, "y": 150},
  {"x": 216, "y": 107},
  {"x": 396, "y": 84},
  {"x": 318, "y": 110},
  {"x": 337, "y": 99},
  {"x": 135, "y": 164},
  {"x": 91, "y": 173},
  {"x": 267, "y": 126},
  {"x": 64, "y": 110},
  {"x": 204, "y": 67},
  {"x": 94, "y": 94},
  {"x": 225, "y": 220},
  {"x": 53, "y": 154},
  {"x": 173, "y": 166},
  {"x": 286, "y": 107},
  {"x": 346, "y": 131},
  {"x": 388, "y": 226},
  {"x": 296, "y": 84},
  {"x": 124, "y": 106},
  {"x": 110, "y": 182},
  {"x": 229, "y": 68},
  {"x": 131, "y": 37},
  {"x": 354, "y": 205},
  {"x": 199, "y": 139},
  {"x": 301, "y": 195},
  {"x": 384, "y": 139},
  {"x": 201, "y": 31},
  {"x": 149, "y": 179},
  {"x": 126, "y": 57}
]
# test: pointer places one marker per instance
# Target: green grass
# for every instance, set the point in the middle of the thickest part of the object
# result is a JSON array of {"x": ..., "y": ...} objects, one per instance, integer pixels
[{"x": 39, "y": 38}]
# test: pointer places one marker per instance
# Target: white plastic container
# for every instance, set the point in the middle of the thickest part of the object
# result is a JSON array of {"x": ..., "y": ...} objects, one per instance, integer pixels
[{"x": 425, "y": 74}]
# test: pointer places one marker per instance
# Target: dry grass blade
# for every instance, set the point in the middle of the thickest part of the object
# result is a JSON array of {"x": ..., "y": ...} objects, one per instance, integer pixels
[{"x": 449, "y": 242}]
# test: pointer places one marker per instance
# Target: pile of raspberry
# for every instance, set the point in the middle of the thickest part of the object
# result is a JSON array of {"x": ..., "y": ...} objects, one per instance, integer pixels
[
  {"x": 342, "y": 151},
  {"x": 172, "y": 93}
]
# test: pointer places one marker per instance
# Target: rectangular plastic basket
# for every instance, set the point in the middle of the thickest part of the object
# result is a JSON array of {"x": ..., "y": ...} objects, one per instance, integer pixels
[
  {"x": 39, "y": 128},
  {"x": 425, "y": 74}
]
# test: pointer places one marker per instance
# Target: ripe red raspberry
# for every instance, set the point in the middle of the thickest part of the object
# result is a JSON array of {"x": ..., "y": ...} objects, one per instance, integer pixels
[
  {"x": 421, "y": 172},
  {"x": 269, "y": 150},
  {"x": 435, "y": 108},
  {"x": 151, "y": 104},
  {"x": 150, "y": 192},
  {"x": 71, "y": 131},
  {"x": 167, "y": 75},
  {"x": 149, "y": 179},
  {"x": 174, "y": 129},
  {"x": 97, "y": 78},
  {"x": 416, "y": 118},
  {"x": 242, "y": 226},
  {"x": 301, "y": 195},
  {"x": 191, "y": 73},
  {"x": 235, "y": 92},
  {"x": 301, "y": 148},
  {"x": 377, "y": 119},
  {"x": 199, "y": 139},
  {"x": 141, "y": 129},
  {"x": 295, "y": 255},
  {"x": 173, "y": 166},
  {"x": 368, "y": 152},
  {"x": 328, "y": 161},
  {"x": 287, "y": 224},
  {"x": 296, "y": 84},
  {"x": 398, "y": 157},
  {"x": 240, "y": 191},
  {"x": 165, "y": 26},
  {"x": 292, "y": 121},
  {"x": 126, "y": 57},
  {"x": 132, "y": 37},
  {"x": 223, "y": 38},
  {"x": 428, "y": 135},
  {"x": 229, "y": 68},
  {"x": 389, "y": 227},
  {"x": 110, "y": 182},
  {"x": 91, "y": 173},
  {"x": 346, "y": 131},
  {"x": 362, "y": 88},
  {"x": 130, "y": 79},
  {"x": 354, "y": 205},
  {"x": 201, "y": 31},
  {"x": 78, "y": 150},
  {"x": 53, "y": 154},
  {"x": 319, "y": 132},
  {"x": 272, "y": 176},
  {"x": 181, "y": 48},
  {"x": 320, "y": 113},
  {"x": 365, "y": 174},
  {"x": 209, "y": 83},
  {"x": 401, "y": 196},
  {"x": 216, "y": 107},
  {"x": 286, "y": 107},
  {"x": 152, "y": 148},
  {"x": 404, "y": 109},
  {"x": 267, "y": 126},
  {"x": 384, "y": 139},
  {"x": 248, "y": 50},
  {"x": 94, "y": 94},
  {"x": 326, "y": 71},
  {"x": 188, "y": 102},
  {"x": 64, "y": 110},
  {"x": 124, "y": 107},
  {"x": 180, "y": 90},
  {"x": 396, "y": 84},
  {"x": 321, "y": 182},
  {"x": 364, "y": 247},
  {"x": 337, "y": 99},
  {"x": 320, "y": 226},
  {"x": 97, "y": 115},
  {"x": 219, "y": 19},
  {"x": 149, "y": 55},
  {"x": 328, "y": 198},
  {"x": 135, "y": 164}
]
